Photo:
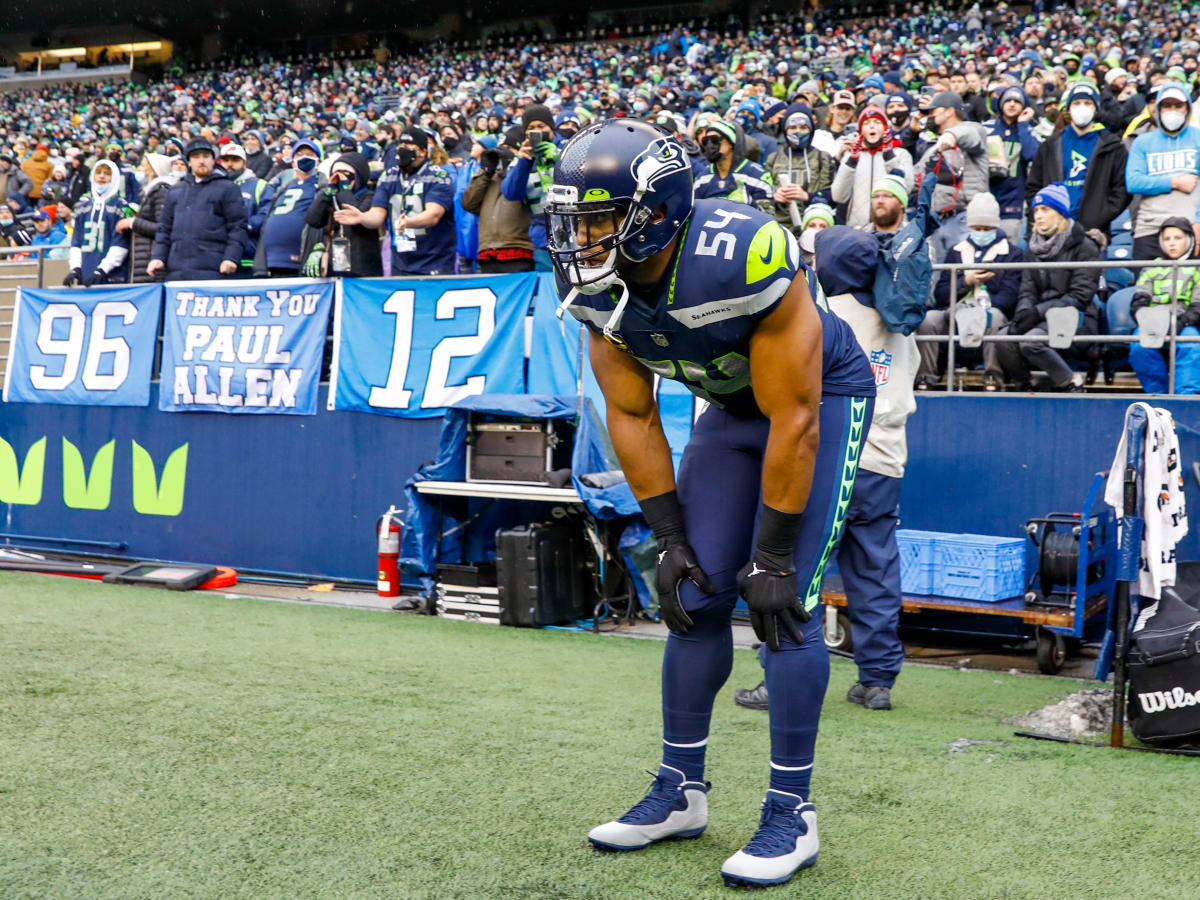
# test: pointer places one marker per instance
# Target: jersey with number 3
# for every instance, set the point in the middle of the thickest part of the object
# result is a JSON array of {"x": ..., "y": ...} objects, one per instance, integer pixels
[
  {"x": 96, "y": 233},
  {"x": 731, "y": 267},
  {"x": 283, "y": 229}
]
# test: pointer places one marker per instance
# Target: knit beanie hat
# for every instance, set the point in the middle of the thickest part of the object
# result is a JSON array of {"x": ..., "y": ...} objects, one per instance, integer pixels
[
  {"x": 984, "y": 211},
  {"x": 893, "y": 185},
  {"x": 1054, "y": 196},
  {"x": 815, "y": 211}
]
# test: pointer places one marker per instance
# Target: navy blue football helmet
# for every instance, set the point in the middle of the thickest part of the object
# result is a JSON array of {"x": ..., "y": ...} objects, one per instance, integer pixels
[{"x": 611, "y": 179}]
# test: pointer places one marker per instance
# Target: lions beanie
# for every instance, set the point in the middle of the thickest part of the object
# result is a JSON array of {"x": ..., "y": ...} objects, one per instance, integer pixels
[{"x": 1056, "y": 197}]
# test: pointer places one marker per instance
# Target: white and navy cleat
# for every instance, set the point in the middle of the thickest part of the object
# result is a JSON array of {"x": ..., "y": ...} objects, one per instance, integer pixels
[
  {"x": 674, "y": 809},
  {"x": 785, "y": 843}
]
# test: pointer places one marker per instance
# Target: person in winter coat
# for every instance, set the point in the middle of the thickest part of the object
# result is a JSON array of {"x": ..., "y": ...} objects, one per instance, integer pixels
[
  {"x": 1056, "y": 238},
  {"x": 38, "y": 167},
  {"x": 1088, "y": 160},
  {"x": 1120, "y": 101},
  {"x": 868, "y": 556},
  {"x": 256, "y": 193},
  {"x": 14, "y": 182},
  {"x": 258, "y": 160},
  {"x": 349, "y": 185},
  {"x": 202, "y": 229},
  {"x": 864, "y": 158},
  {"x": 504, "y": 244},
  {"x": 1164, "y": 169},
  {"x": 729, "y": 175},
  {"x": 985, "y": 242},
  {"x": 800, "y": 172},
  {"x": 145, "y": 224},
  {"x": 899, "y": 112},
  {"x": 79, "y": 179},
  {"x": 99, "y": 253},
  {"x": 1176, "y": 286},
  {"x": 958, "y": 157},
  {"x": 1012, "y": 146}
]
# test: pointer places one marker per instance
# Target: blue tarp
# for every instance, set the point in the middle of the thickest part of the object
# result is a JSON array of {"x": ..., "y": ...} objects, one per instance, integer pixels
[{"x": 592, "y": 454}]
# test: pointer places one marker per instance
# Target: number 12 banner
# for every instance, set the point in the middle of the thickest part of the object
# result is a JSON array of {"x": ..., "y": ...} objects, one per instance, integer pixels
[
  {"x": 92, "y": 347},
  {"x": 413, "y": 348}
]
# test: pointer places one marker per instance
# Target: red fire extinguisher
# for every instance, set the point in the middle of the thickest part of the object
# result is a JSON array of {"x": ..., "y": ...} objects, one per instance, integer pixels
[{"x": 387, "y": 528}]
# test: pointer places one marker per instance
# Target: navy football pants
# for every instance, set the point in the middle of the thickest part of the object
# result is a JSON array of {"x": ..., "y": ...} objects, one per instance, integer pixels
[
  {"x": 720, "y": 489},
  {"x": 869, "y": 561}
]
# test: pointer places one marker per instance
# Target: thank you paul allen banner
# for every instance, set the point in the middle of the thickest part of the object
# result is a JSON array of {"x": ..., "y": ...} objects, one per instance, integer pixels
[
  {"x": 86, "y": 347},
  {"x": 244, "y": 346}
]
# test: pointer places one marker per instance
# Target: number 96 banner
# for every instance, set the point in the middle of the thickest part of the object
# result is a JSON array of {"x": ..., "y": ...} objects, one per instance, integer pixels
[
  {"x": 91, "y": 347},
  {"x": 413, "y": 348}
]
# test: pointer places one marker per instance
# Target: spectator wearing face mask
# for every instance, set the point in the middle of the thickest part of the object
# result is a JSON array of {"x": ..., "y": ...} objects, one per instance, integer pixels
[
  {"x": 99, "y": 253},
  {"x": 12, "y": 232},
  {"x": 202, "y": 228},
  {"x": 899, "y": 112},
  {"x": 416, "y": 201},
  {"x": 729, "y": 176},
  {"x": 349, "y": 185},
  {"x": 1177, "y": 287},
  {"x": 144, "y": 224},
  {"x": 256, "y": 194},
  {"x": 863, "y": 159},
  {"x": 1164, "y": 169},
  {"x": 127, "y": 184},
  {"x": 1088, "y": 159},
  {"x": 278, "y": 254},
  {"x": 799, "y": 171},
  {"x": 986, "y": 242},
  {"x": 1056, "y": 238}
]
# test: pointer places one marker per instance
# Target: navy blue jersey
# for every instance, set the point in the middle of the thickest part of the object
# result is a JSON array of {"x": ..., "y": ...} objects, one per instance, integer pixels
[
  {"x": 282, "y": 230},
  {"x": 731, "y": 267},
  {"x": 746, "y": 182},
  {"x": 398, "y": 193},
  {"x": 96, "y": 234}
]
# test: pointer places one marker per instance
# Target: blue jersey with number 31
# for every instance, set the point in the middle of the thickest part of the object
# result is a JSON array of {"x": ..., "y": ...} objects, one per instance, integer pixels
[
  {"x": 96, "y": 233},
  {"x": 731, "y": 267}
]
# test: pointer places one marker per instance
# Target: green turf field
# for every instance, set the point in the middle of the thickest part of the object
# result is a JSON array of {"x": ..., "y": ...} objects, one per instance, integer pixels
[{"x": 166, "y": 745}]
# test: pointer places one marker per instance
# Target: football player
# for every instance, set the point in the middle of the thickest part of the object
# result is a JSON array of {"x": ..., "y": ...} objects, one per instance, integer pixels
[{"x": 713, "y": 294}]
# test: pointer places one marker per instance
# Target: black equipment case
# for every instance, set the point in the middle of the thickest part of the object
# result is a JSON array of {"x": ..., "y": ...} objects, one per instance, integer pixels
[
  {"x": 516, "y": 449},
  {"x": 543, "y": 574},
  {"x": 1164, "y": 673}
]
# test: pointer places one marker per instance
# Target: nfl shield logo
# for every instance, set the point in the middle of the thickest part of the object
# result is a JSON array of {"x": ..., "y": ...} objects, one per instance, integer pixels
[
  {"x": 660, "y": 339},
  {"x": 881, "y": 365}
]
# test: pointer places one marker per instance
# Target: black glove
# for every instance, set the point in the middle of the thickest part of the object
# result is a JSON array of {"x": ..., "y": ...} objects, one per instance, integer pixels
[
  {"x": 73, "y": 278},
  {"x": 768, "y": 583},
  {"x": 489, "y": 161},
  {"x": 1190, "y": 317},
  {"x": 1026, "y": 319},
  {"x": 676, "y": 560},
  {"x": 96, "y": 277}
]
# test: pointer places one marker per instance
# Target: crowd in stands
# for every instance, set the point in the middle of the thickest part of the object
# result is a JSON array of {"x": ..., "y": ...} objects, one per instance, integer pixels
[{"x": 1059, "y": 135}]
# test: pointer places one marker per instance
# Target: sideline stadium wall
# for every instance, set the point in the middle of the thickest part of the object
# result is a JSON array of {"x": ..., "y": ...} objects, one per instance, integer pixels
[{"x": 300, "y": 494}]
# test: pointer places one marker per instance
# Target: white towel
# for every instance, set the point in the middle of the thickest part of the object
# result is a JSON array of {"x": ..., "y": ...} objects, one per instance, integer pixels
[{"x": 1164, "y": 509}]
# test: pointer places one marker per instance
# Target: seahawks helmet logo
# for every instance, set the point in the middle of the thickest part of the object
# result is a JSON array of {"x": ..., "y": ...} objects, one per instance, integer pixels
[{"x": 664, "y": 156}]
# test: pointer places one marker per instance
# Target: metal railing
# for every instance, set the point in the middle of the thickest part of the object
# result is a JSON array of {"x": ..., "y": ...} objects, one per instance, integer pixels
[
  {"x": 9, "y": 283},
  {"x": 1173, "y": 339}
]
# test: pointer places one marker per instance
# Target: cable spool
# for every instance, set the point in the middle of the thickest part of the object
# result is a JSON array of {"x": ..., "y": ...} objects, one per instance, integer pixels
[{"x": 1058, "y": 558}]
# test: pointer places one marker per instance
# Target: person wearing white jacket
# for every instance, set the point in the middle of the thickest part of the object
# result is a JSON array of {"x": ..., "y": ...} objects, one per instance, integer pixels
[
  {"x": 863, "y": 159},
  {"x": 869, "y": 558}
]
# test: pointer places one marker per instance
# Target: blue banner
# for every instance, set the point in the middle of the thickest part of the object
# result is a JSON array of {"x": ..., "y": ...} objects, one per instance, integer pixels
[
  {"x": 244, "y": 346},
  {"x": 89, "y": 347},
  {"x": 413, "y": 348}
]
